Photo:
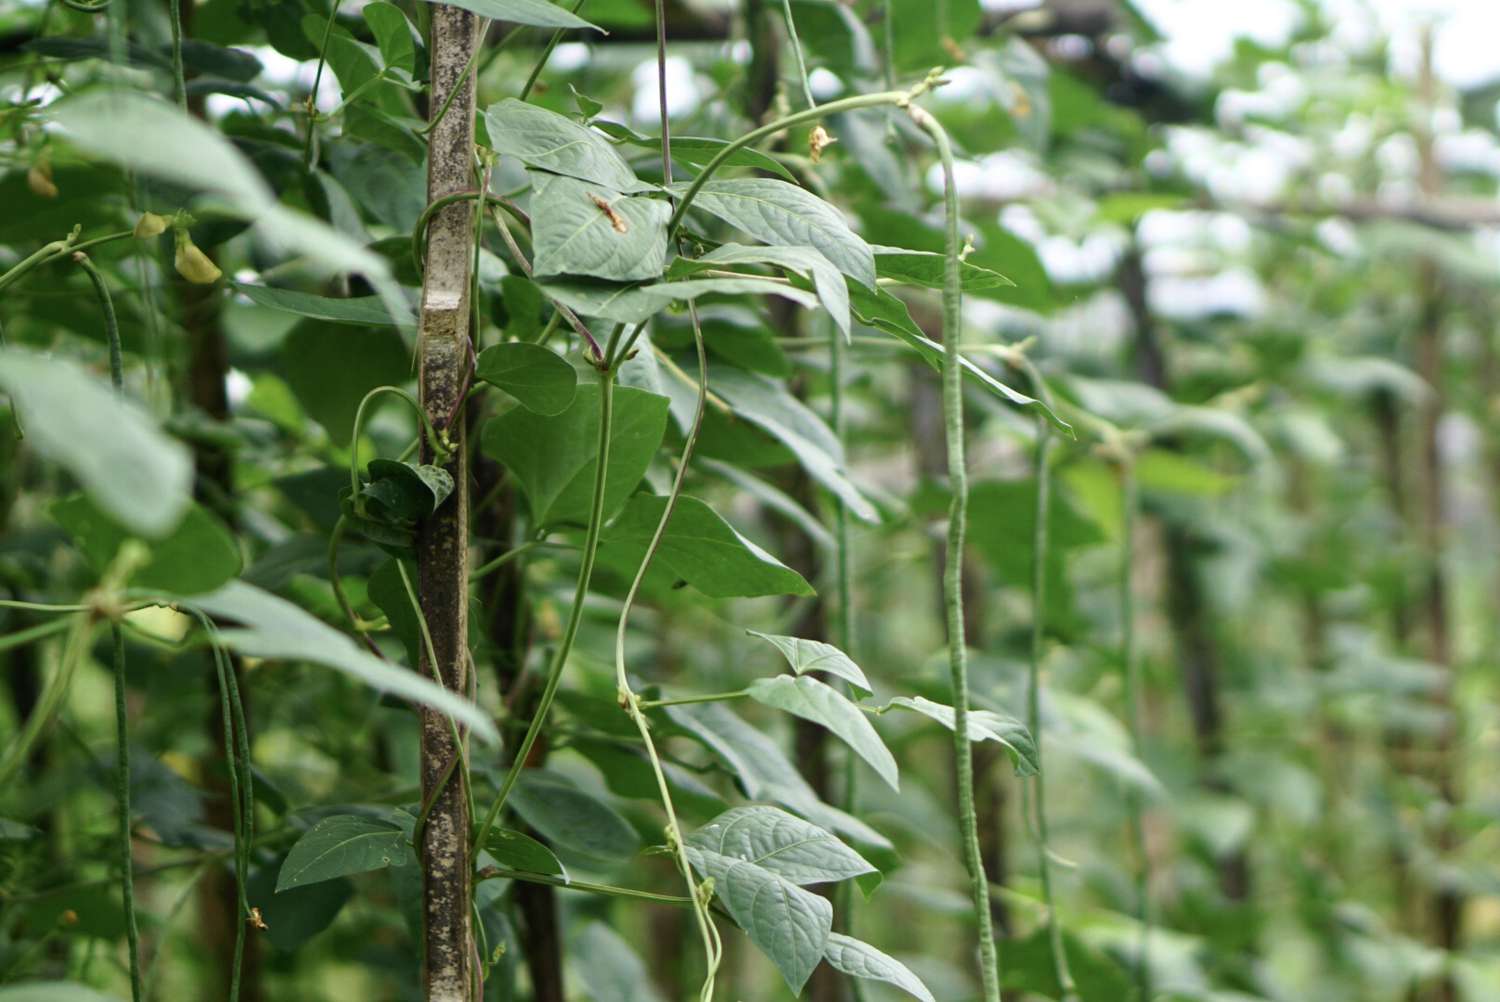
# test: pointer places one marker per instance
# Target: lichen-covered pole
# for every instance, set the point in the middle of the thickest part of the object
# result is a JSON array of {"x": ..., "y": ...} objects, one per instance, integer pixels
[{"x": 448, "y": 972}]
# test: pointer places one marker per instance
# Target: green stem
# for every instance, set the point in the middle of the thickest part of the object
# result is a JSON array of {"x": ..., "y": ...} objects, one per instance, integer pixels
[
  {"x": 575, "y": 615},
  {"x": 54, "y": 250},
  {"x": 32, "y": 634},
  {"x": 111, "y": 323},
  {"x": 958, "y": 653},
  {"x": 500, "y": 872},
  {"x": 712, "y": 948},
  {"x": 122, "y": 798},
  {"x": 47, "y": 707},
  {"x": 438, "y": 448},
  {"x": 1039, "y": 544},
  {"x": 791, "y": 30},
  {"x": 1132, "y": 670},
  {"x": 224, "y": 670},
  {"x": 312, "y": 98},
  {"x": 485, "y": 570},
  {"x": 712, "y": 697},
  {"x": 179, "y": 79},
  {"x": 541, "y": 63}
]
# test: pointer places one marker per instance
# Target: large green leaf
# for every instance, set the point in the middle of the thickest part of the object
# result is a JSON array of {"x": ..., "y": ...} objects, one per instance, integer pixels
[
  {"x": 197, "y": 556},
  {"x": 763, "y": 770},
  {"x": 583, "y": 228},
  {"x": 162, "y": 142},
  {"x": 555, "y": 458},
  {"x": 813, "y": 655},
  {"x": 819, "y": 702},
  {"x": 782, "y": 214},
  {"x": 330, "y": 367},
  {"x": 783, "y": 843},
  {"x": 537, "y": 13},
  {"x": 520, "y": 851},
  {"x": 984, "y": 725},
  {"x": 368, "y": 311},
  {"x": 861, "y": 960},
  {"x": 113, "y": 448},
  {"x": 929, "y": 269},
  {"x": 274, "y": 628},
  {"x": 806, "y": 261},
  {"x": 611, "y": 971},
  {"x": 392, "y": 33},
  {"x": 573, "y": 820},
  {"x": 698, "y": 547},
  {"x": 750, "y": 285},
  {"x": 540, "y": 379},
  {"x": 339, "y": 846},
  {"x": 548, "y": 141},
  {"x": 789, "y": 924},
  {"x": 767, "y": 404}
]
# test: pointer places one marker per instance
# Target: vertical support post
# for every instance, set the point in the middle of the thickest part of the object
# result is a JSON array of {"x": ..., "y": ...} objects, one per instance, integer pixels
[{"x": 448, "y": 969}]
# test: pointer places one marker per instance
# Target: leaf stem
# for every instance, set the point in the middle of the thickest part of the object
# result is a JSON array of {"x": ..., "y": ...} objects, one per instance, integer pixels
[
  {"x": 712, "y": 697},
  {"x": 958, "y": 653},
  {"x": 505, "y": 873}
]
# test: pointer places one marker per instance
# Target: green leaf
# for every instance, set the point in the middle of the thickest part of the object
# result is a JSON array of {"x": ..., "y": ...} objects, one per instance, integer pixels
[
  {"x": 581, "y": 228},
  {"x": 885, "y": 312},
  {"x": 861, "y": 960},
  {"x": 782, "y": 214},
  {"x": 1174, "y": 473},
  {"x": 783, "y": 843},
  {"x": 537, "y": 13},
  {"x": 276, "y": 629},
  {"x": 612, "y": 972},
  {"x": 669, "y": 292},
  {"x": 386, "y": 589},
  {"x": 331, "y": 367},
  {"x": 540, "y": 379},
  {"x": 789, "y": 924},
  {"x": 806, "y": 261},
  {"x": 927, "y": 269},
  {"x": 520, "y": 851},
  {"x": 622, "y": 304},
  {"x": 15, "y": 831},
  {"x": 339, "y": 846},
  {"x": 819, "y": 702},
  {"x": 555, "y": 458},
  {"x": 297, "y": 914},
  {"x": 763, "y": 770},
  {"x": 392, "y": 34},
  {"x": 197, "y": 556},
  {"x": 573, "y": 820},
  {"x": 551, "y": 142},
  {"x": 162, "y": 142},
  {"x": 698, "y": 547},
  {"x": 767, "y": 404},
  {"x": 984, "y": 725},
  {"x": 367, "y": 311},
  {"x": 112, "y": 447},
  {"x": 405, "y": 492},
  {"x": 697, "y": 150},
  {"x": 52, "y": 991},
  {"x": 813, "y": 655}
]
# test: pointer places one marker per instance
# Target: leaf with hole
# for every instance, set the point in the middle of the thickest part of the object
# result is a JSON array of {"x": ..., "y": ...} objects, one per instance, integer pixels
[
  {"x": 698, "y": 547},
  {"x": 275, "y": 629},
  {"x": 557, "y": 144},
  {"x": 781, "y": 214},
  {"x": 110, "y": 445},
  {"x": 584, "y": 228},
  {"x": 541, "y": 380},
  {"x": 813, "y": 655},
  {"x": 555, "y": 458},
  {"x": 806, "y": 697},
  {"x": 339, "y": 846}
]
